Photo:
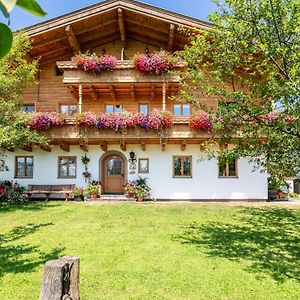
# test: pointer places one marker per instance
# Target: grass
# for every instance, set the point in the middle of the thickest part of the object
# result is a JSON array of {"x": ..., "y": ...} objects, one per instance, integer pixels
[{"x": 152, "y": 251}]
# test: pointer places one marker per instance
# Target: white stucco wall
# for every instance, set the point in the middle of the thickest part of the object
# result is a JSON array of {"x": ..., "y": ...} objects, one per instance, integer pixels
[{"x": 205, "y": 183}]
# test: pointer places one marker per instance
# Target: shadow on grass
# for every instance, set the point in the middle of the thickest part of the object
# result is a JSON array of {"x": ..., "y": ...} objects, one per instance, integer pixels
[
  {"x": 18, "y": 258},
  {"x": 269, "y": 238},
  {"x": 27, "y": 206}
]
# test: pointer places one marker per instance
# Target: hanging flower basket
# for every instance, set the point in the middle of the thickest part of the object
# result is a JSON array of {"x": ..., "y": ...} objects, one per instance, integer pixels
[
  {"x": 93, "y": 63},
  {"x": 155, "y": 64}
]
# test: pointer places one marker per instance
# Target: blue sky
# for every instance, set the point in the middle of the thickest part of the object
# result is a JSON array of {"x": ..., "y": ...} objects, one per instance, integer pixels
[{"x": 195, "y": 8}]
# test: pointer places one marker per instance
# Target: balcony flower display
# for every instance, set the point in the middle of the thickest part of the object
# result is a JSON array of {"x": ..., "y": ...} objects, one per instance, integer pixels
[
  {"x": 93, "y": 63},
  {"x": 44, "y": 121},
  {"x": 117, "y": 121},
  {"x": 157, "y": 63},
  {"x": 86, "y": 119},
  {"x": 201, "y": 120},
  {"x": 123, "y": 120}
]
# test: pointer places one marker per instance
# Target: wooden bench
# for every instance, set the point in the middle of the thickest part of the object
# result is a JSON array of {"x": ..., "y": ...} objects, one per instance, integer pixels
[{"x": 48, "y": 190}]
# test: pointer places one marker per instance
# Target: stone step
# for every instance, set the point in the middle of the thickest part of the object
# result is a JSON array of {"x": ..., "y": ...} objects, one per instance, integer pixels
[{"x": 111, "y": 198}]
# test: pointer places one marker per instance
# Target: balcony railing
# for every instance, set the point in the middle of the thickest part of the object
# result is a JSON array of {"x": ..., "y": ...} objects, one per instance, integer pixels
[
  {"x": 72, "y": 133},
  {"x": 124, "y": 72}
]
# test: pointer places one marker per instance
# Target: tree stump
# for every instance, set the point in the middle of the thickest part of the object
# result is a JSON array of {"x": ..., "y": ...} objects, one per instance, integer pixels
[{"x": 61, "y": 279}]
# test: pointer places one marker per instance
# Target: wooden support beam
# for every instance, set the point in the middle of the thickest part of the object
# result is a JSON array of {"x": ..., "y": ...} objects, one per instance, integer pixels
[
  {"x": 65, "y": 147},
  {"x": 84, "y": 147},
  {"x": 163, "y": 145},
  {"x": 224, "y": 146},
  {"x": 202, "y": 147},
  {"x": 133, "y": 94},
  {"x": 74, "y": 92},
  {"x": 152, "y": 92},
  {"x": 103, "y": 146},
  {"x": 72, "y": 39},
  {"x": 112, "y": 92},
  {"x": 27, "y": 148},
  {"x": 183, "y": 145},
  {"x": 143, "y": 145},
  {"x": 93, "y": 92},
  {"x": 123, "y": 145},
  {"x": 122, "y": 27},
  {"x": 171, "y": 37},
  {"x": 46, "y": 148}
]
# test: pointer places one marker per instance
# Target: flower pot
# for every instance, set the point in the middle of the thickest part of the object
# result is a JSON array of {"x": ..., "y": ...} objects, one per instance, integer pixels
[
  {"x": 78, "y": 198},
  {"x": 94, "y": 196},
  {"x": 140, "y": 199}
]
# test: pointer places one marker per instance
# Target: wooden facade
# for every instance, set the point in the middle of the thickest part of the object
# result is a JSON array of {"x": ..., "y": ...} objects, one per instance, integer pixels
[{"x": 119, "y": 28}]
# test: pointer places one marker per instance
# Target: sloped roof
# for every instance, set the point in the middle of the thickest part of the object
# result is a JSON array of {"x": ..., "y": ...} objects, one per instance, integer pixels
[{"x": 99, "y": 24}]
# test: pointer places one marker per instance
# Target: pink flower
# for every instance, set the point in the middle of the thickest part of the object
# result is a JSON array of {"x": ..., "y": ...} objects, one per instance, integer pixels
[
  {"x": 200, "y": 121},
  {"x": 93, "y": 63},
  {"x": 44, "y": 121},
  {"x": 86, "y": 119},
  {"x": 157, "y": 63},
  {"x": 270, "y": 117},
  {"x": 288, "y": 119}
]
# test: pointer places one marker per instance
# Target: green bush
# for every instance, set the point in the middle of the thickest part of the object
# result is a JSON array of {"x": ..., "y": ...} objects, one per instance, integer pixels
[{"x": 12, "y": 192}]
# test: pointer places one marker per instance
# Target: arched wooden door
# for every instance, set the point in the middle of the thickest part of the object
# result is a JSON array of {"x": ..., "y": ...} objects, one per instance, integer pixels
[{"x": 113, "y": 170}]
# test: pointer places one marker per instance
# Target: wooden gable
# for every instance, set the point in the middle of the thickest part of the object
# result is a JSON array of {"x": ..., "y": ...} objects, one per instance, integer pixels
[{"x": 107, "y": 22}]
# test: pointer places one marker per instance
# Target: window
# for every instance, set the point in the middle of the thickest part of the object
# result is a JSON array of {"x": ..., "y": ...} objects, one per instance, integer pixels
[
  {"x": 113, "y": 108},
  {"x": 143, "y": 165},
  {"x": 28, "y": 108},
  {"x": 68, "y": 109},
  {"x": 182, "y": 166},
  {"x": 114, "y": 166},
  {"x": 182, "y": 110},
  {"x": 228, "y": 168},
  {"x": 143, "y": 108},
  {"x": 24, "y": 167},
  {"x": 67, "y": 167},
  {"x": 58, "y": 71}
]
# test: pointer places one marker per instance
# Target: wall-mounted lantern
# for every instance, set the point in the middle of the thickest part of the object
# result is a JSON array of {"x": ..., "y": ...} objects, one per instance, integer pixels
[{"x": 132, "y": 157}]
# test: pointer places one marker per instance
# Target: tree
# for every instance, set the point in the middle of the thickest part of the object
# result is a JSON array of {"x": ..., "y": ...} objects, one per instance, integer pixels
[
  {"x": 6, "y": 6},
  {"x": 250, "y": 60},
  {"x": 16, "y": 74}
]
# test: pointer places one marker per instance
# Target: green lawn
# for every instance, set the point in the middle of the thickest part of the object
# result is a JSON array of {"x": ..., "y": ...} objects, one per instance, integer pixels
[{"x": 152, "y": 251}]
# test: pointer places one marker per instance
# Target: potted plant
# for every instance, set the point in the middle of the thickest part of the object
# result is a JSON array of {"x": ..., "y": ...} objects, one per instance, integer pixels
[
  {"x": 85, "y": 160},
  {"x": 91, "y": 191},
  {"x": 79, "y": 194},
  {"x": 143, "y": 190},
  {"x": 130, "y": 190}
]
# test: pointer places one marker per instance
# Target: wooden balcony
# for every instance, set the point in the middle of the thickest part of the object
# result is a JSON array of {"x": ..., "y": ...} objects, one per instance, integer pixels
[
  {"x": 123, "y": 73},
  {"x": 72, "y": 134}
]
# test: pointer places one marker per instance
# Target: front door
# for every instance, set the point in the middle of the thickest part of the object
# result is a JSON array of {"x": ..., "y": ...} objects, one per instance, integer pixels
[{"x": 113, "y": 174}]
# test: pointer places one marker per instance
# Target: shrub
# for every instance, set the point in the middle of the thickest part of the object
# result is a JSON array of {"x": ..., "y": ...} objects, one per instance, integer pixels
[{"x": 12, "y": 192}]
